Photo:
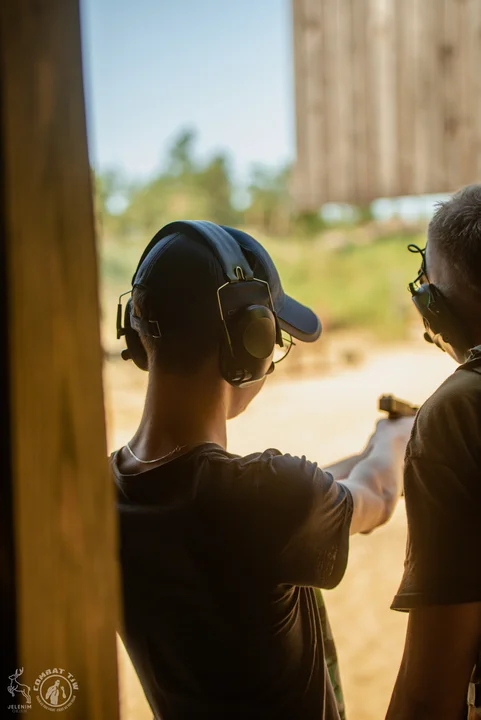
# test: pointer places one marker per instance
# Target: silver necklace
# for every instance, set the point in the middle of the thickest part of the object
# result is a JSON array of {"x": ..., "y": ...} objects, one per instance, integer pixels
[{"x": 163, "y": 457}]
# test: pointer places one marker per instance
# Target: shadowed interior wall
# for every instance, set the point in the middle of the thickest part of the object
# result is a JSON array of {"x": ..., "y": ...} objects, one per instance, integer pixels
[{"x": 62, "y": 554}]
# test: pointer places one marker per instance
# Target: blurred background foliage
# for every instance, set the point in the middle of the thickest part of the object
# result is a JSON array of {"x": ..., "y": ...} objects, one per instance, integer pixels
[{"x": 352, "y": 269}]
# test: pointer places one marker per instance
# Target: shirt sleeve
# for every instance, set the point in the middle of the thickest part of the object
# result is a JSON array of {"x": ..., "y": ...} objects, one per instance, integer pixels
[
  {"x": 443, "y": 504},
  {"x": 301, "y": 518}
]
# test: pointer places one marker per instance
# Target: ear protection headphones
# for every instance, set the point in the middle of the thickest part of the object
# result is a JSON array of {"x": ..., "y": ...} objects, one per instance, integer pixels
[
  {"x": 442, "y": 327},
  {"x": 251, "y": 328}
]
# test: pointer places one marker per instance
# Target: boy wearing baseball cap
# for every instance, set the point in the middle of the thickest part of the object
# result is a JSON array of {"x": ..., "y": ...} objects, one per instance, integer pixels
[{"x": 220, "y": 553}]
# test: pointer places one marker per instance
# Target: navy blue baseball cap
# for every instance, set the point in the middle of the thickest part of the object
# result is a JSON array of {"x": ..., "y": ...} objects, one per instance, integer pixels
[{"x": 182, "y": 274}]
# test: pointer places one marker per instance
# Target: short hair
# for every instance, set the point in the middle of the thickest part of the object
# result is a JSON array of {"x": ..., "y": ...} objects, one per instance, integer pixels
[
  {"x": 185, "y": 345},
  {"x": 456, "y": 231}
]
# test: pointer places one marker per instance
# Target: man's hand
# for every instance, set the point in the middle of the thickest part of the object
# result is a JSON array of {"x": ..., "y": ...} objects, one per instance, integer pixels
[{"x": 375, "y": 482}]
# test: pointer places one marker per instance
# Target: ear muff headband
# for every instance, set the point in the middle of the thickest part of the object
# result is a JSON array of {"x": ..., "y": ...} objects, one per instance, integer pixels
[{"x": 225, "y": 248}]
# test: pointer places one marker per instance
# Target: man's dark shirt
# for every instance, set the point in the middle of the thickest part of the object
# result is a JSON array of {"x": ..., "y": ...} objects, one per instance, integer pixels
[
  {"x": 443, "y": 497},
  {"x": 220, "y": 555}
]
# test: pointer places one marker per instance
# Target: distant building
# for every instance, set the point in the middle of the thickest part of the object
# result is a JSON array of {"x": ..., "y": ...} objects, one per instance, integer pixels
[{"x": 388, "y": 98}]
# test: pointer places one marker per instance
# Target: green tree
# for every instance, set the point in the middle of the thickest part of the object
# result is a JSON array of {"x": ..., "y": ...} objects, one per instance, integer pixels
[
  {"x": 180, "y": 160},
  {"x": 182, "y": 189},
  {"x": 270, "y": 206},
  {"x": 110, "y": 187},
  {"x": 215, "y": 184}
]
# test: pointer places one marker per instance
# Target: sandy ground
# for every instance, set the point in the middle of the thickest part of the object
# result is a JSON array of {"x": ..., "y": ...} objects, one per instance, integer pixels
[{"x": 324, "y": 418}]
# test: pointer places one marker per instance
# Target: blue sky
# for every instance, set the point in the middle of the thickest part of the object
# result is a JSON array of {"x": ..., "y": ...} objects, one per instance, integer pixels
[{"x": 223, "y": 67}]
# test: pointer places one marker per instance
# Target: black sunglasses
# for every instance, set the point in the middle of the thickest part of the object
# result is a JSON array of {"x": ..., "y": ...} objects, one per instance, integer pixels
[{"x": 281, "y": 352}]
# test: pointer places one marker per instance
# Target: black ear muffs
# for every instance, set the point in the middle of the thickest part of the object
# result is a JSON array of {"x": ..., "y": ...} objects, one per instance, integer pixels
[
  {"x": 135, "y": 350},
  {"x": 246, "y": 310},
  {"x": 441, "y": 324},
  {"x": 246, "y": 355}
]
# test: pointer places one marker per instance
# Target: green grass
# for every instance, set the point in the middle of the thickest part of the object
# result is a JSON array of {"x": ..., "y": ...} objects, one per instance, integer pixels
[{"x": 352, "y": 286}]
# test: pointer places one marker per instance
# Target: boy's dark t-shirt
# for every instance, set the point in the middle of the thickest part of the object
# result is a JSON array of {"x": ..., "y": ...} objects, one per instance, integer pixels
[
  {"x": 443, "y": 496},
  {"x": 220, "y": 555}
]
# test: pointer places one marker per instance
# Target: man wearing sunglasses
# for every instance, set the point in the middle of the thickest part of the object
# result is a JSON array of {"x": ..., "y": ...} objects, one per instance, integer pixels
[
  {"x": 220, "y": 554},
  {"x": 441, "y": 587}
]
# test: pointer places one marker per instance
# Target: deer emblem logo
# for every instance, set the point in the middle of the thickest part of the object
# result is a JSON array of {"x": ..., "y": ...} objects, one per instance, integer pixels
[{"x": 16, "y": 687}]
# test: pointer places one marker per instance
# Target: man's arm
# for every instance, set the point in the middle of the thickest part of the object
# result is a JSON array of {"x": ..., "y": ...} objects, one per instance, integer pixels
[{"x": 442, "y": 643}]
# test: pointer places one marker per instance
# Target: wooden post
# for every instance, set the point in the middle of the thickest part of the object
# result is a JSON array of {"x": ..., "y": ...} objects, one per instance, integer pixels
[{"x": 59, "y": 547}]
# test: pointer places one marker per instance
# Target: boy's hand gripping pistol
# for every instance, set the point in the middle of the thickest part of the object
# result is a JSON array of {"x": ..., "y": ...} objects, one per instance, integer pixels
[{"x": 396, "y": 408}]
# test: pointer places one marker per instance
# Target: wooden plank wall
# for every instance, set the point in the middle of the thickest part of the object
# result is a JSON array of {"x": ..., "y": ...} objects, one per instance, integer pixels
[
  {"x": 388, "y": 98},
  {"x": 59, "y": 585}
]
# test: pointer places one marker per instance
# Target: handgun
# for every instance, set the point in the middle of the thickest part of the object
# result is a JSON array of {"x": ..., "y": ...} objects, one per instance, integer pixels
[{"x": 396, "y": 408}]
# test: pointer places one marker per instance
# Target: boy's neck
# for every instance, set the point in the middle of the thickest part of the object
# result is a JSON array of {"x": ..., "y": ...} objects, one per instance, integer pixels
[{"x": 180, "y": 411}]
